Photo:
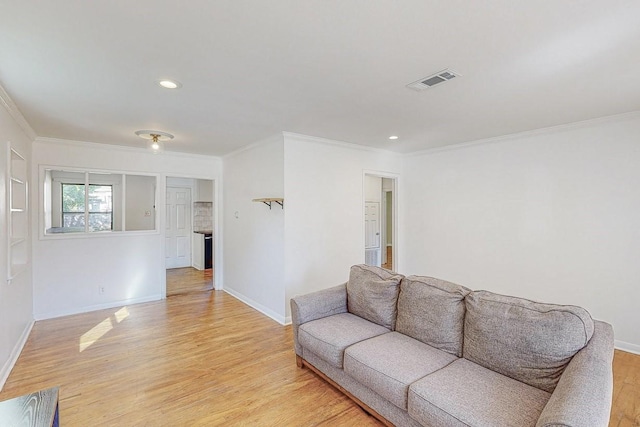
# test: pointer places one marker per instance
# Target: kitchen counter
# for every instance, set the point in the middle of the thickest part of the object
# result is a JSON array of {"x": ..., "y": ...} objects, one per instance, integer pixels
[{"x": 204, "y": 232}]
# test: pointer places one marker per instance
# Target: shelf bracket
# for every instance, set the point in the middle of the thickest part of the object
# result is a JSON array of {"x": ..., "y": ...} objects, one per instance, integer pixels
[{"x": 269, "y": 201}]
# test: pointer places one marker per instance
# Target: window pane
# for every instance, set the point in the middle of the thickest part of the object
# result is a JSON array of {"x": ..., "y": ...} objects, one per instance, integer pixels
[
  {"x": 72, "y": 197},
  {"x": 100, "y": 222},
  {"x": 74, "y": 222},
  {"x": 100, "y": 198}
]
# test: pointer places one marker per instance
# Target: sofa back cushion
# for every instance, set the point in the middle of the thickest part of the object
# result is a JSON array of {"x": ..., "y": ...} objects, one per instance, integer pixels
[
  {"x": 372, "y": 293},
  {"x": 529, "y": 341},
  {"x": 432, "y": 311}
]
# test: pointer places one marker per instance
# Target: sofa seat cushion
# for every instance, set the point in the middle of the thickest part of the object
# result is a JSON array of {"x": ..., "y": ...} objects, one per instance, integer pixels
[
  {"x": 526, "y": 340},
  {"x": 329, "y": 336},
  {"x": 389, "y": 363},
  {"x": 467, "y": 394}
]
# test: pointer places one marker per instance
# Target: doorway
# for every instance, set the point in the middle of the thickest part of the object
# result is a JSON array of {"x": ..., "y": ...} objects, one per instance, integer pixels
[
  {"x": 189, "y": 235},
  {"x": 387, "y": 227},
  {"x": 380, "y": 225}
]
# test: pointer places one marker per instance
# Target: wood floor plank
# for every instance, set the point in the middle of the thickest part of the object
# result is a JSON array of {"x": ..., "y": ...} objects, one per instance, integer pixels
[
  {"x": 626, "y": 390},
  {"x": 183, "y": 280},
  {"x": 194, "y": 359},
  {"x": 201, "y": 359}
]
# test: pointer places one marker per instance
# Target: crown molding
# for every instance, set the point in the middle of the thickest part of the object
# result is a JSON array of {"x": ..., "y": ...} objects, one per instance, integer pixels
[
  {"x": 15, "y": 112},
  {"x": 343, "y": 144},
  {"x": 124, "y": 148},
  {"x": 274, "y": 138},
  {"x": 630, "y": 115}
]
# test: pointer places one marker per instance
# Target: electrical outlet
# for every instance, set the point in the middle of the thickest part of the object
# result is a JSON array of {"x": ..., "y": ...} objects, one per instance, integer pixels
[{"x": 101, "y": 290}]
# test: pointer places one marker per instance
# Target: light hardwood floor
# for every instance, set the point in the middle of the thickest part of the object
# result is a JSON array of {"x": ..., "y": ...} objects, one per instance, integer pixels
[
  {"x": 201, "y": 358},
  {"x": 388, "y": 263},
  {"x": 183, "y": 280},
  {"x": 626, "y": 390}
]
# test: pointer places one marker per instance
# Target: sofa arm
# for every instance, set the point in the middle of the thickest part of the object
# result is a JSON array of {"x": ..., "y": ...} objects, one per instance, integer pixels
[
  {"x": 583, "y": 394},
  {"x": 316, "y": 305}
]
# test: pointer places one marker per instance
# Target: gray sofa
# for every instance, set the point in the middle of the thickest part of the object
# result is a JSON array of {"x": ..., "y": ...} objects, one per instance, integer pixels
[{"x": 418, "y": 351}]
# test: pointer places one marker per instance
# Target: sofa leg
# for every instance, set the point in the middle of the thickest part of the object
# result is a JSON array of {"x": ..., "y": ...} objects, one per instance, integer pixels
[{"x": 299, "y": 362}]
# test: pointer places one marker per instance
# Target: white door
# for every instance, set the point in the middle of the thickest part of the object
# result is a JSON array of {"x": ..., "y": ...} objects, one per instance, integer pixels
[
  {"x": 372, "y": 233},
  {"x": 178, "y": 231}
]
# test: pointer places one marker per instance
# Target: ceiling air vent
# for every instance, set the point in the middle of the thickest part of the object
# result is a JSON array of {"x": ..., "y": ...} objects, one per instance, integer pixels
[{"x": 433, "y": 80}]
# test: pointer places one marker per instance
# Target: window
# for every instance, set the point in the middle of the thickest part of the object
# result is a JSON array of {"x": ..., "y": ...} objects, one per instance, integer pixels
[
  {"x": 82, "y": 202},
  {"x": 99, "y": 210}
]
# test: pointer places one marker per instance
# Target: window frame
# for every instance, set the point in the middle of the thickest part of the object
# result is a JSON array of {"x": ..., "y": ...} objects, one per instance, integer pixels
[
  {"x": 87, "y": 212},
  {"x": 44, "y": 204}
]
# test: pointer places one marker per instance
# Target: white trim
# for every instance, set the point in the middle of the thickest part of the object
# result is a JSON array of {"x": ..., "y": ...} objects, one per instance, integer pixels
[
  {"x": 529, "y": 133},
  {"x": 627, "y": 346},
  {"x": 274, "y": 138},
  {"x": 15, "y": 112},
  {"x": 257, "y": 306},
  {"x": 15, "y": 353},
  {"x": 87, "y": 309},
  {"x": 127, "y": 148},
  {"x": 317, "y": 139}
]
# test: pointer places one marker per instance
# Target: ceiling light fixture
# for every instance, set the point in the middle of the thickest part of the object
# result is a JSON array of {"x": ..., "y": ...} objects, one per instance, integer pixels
[
  {"x": 169, "y": 84},
  {"x": 155, "y": 139},
  {"x": 393, "y": 137}
]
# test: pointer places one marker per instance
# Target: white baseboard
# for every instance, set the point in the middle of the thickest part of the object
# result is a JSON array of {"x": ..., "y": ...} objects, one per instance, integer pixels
[
  {"x": 86, "y": 309},
  {"x": 15, "y": 353},
  {"x": 261, "y": 308},
  {"x": 628, "y": 347}
]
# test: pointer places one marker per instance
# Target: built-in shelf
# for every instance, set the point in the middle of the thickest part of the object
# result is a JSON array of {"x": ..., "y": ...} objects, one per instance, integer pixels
[
  {"x": 269, "y": 200},
  {"x": 17, "y": 221},
  {"x": 17, "y": 241},
  {"x": 16, "y": 270}
]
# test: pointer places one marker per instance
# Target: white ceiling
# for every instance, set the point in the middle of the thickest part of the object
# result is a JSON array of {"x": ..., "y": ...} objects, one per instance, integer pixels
[{"x": 86, "y": 70}]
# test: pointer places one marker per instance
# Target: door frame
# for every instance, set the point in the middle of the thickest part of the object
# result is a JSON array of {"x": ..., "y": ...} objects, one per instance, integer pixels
[
  {"x": 395, "y": 209},
  {"x": 217, "y": 228}
]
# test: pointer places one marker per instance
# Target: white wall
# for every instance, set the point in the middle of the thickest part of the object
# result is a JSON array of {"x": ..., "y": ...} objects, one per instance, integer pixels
[
  {"x": 67, "y": 272},
  {"x": 324, "y": 225},
  {"x": 16, "y": 298},
  {"x": 550, "y": 215},
  {"x": 140, "y": 211},
  {"x": 254, "y": 234}
]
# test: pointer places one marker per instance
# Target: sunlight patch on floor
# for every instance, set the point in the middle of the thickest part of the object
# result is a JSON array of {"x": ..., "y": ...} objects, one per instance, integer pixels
[
  {"x": 98, "y": 331},
  {"x": 121, "y": 314}
]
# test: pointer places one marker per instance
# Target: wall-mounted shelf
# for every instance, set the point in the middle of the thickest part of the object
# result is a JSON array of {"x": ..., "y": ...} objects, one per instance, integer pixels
[
  {"x": 17, "y": 221},
  {"x": 269, "y": 200}
]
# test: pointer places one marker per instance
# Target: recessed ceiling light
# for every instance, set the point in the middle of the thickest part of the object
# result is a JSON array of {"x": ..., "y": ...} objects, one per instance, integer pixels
[
  {"x": 169, "y": 84},
  {"x": 393, "y": 137}
]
